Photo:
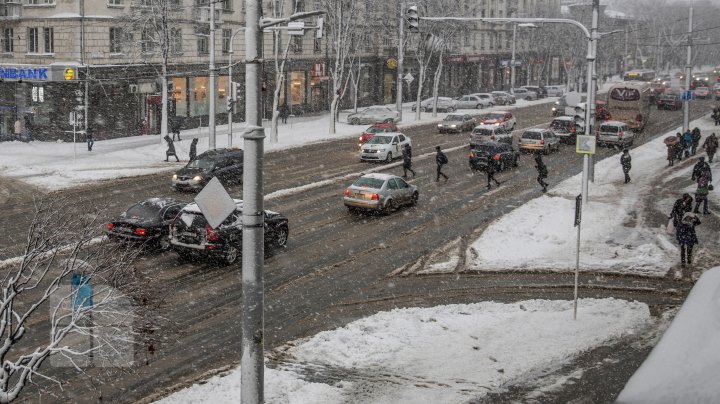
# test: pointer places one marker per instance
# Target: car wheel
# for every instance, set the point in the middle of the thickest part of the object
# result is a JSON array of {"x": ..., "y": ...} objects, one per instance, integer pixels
[
  {"x": 502, "y": 166},
  {"x": 355, "y": 121},
  {"x": 282, "y": 237},
  {"x": 414, "y": 199},
  {"x": 388, "y": 158},
  {"x": 389, "y": 120},
  {"x": 546, "y": 151},
  {"x": 163, "y": 243},
  {"x": 491, "y": 105},
  {"x": 516, "y": 161},
  {"x": 231, "y": 254},
  {"x": 390, "y": 206},
  {"x": 479, "y": 106}
]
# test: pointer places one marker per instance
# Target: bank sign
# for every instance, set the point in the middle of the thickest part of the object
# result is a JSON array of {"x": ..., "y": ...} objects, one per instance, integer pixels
[{"x": 38, "y": 73}]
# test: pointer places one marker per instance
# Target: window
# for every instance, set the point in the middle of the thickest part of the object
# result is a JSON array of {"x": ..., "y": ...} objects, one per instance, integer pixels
[
  {"x": 225, "y": 5},
  {"x": 467, "y": 39},
  {"x": 175, "y": 40},
  {"x": 202, "y": 41},
  {"x": 115, "y": 3},
  {"x": 115, "y": 40},
  {"x": 297, "y": 43},
  {"x": 7, "y": 40},
  {"x": 32, "y": 40},
  {"x": 34, "y": 2},
  {"x": 49, "y": 40},
  {"x": 317, "y": 45},
  {"x": 226, "y": 35},
  {"x": 299, "y": 5},
  {"x": 482, "y": 41},
  {"x": 146, "y": 41}
]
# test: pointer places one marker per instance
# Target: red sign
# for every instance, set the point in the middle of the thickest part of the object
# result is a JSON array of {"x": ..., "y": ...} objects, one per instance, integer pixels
[
  {"x": 474, "y": 59},
  {"x": 318, "y": 70},
  {"x": 456, "y": 59}
]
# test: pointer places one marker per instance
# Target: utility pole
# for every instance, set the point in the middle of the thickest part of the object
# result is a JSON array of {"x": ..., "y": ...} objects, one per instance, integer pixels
[
  {"x": 401, "y": 52},
  {"x": 625, "y": 55},
  {"x": 82, "y": 62},
  {"x": 688, "y": 73},
  {"x": 512, "y": 61},
  {"x": 212, "y": 73}
]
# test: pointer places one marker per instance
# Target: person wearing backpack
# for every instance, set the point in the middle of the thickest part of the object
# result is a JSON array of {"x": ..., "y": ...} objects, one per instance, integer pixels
[
  {"x": 441, "y": 159},
  {"x": 710, "y": 145},
  {"x": 542, "y": 172},
  {"x": 407, "y": 160},
  {"x": 696, "y": 136},
  {"x": 701, "y": 194}
]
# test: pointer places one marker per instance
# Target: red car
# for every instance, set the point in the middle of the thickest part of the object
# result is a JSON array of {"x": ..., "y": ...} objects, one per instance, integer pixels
[
  {"x": 669, "y": 101},
  {"x": 376, "y": 128}
]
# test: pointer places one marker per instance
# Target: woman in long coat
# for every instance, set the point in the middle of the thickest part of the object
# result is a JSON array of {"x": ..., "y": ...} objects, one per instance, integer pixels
[{"x": 687, "y": 237}]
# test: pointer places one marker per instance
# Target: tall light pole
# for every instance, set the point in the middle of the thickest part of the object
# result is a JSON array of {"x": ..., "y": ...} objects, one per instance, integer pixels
[
  {"x": 230, "y": 89},
  {"x": 512, "y": 61},
  {"x": 401, "y": 52},
  {"x": 688, "y": 73},
  {"x": 213, "y": 73}
]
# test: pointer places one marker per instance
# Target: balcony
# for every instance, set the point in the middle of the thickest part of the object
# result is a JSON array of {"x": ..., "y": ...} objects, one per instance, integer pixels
[{"x": 10, "y": 9}]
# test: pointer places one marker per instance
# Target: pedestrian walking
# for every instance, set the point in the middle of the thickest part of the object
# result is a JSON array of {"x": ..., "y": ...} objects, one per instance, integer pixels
[
  {"x": 680, "y": 207},
  {"x": 687, "y": 237},
  {"x": 701, "y": 194},
  {"x": 193, "y": 149},
  {"x": 700, "y": 167},
  {"x": 18, "y": 129},
  {"x": 710, "y": 146},
  {"x": 441, "y": 159},
  {"x": 284, "y": 113},
  {"x": 687, "y": 143},
  {"x": 29, "y": 128},
  {"x": 407, "y": 160},
  {"x": 175, "y": 126},
  {"x": 679, "y": 146},
  {"x": 491, "y": 168},
  {"x": 716, "y": 115},
  {"x": 89, "y": 138},
  {"x": 626, "y": 163},
  {"x": 696, "y": 136},
  {"x": 542, "y": 172},
  {"x": 171, "y": 149}
]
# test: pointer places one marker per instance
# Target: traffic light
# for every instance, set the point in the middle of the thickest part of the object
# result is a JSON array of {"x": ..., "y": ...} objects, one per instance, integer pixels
[
  {"x": 413, "y": 19},
  {"x": 579, "y": 117}
]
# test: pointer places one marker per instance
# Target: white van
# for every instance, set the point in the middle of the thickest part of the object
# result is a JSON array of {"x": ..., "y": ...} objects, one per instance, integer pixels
[{"x": 615, "y": 133}]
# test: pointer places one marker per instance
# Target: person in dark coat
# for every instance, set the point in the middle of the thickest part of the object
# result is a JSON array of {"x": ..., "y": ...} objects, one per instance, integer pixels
[
  {"x": 171, "y": 149},
  {"x": 626, "y": 163},
  {"x": 699, "y": 168},
  {"x": 701, "y": 194},
  {"x": 710, "y": 145},
  {"x": 687, "y": 142},
  {"x": 680, "y": 207},
  {"x": 284, "y": 113},
  {"x": 193, "y": 149},
  {"x": 89, "y": 138},
  {"x": 407, "y": 160},
  {"x": 542, "y": 172},
  {"x": 491, "y": 168},
  {"x": 175, "y": 126},
  {"x": 671, "y": 154},
  {"x": 687, "y": 237},
  {"x": 716, "y": 115},
  {"x": 696, "y": 136},
  {"x": 679, "y": 146},
  {"x": 441, "y": 159}
]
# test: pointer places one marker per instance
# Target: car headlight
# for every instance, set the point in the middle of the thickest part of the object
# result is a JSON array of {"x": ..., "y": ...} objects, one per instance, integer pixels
[
  {"x": 440, "y": 125},
  {"x": 197, "y": 178},
  {"x": 453, "y": 126},
  {"x": 174, "y": 176}
]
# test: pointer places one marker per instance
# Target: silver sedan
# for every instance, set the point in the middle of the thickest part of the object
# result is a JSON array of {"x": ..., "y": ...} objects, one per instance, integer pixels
[
  {"x": 379, "y": 192},
  {"x": 374, "y": 114}
]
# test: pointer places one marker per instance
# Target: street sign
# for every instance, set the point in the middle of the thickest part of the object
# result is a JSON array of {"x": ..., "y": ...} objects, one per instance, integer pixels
[
  {"x": 392, "y": 63},
  {"x": 578, "y": 210},
  {"x": 296, "y": 28},
  {"x": 585, "y": 144},
  {"x": 75, "y": 118},
  {"x": 409, "y": 78},
  {"x": 215, "y": 203},
  {"x": 83, "y": 291},
  {"x": 687, "y": 95}
]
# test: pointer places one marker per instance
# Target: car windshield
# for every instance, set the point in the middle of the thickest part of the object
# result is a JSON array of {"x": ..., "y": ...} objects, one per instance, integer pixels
[
  {"x": 609, "y": 129},
  {"x": 380, "y": 140},
  {"x": 453, "y": 118},
  {"x": 493, "y": 116},
  {"x": 203, "y": 164},
  {"x": 143, "y": 211},
  {"x": 375, "y": 129},
  {"x": 531, "y": 135},
  {"x": 367, "y": 182},
  {"x": 485, "y": 148},
  {"x": 483, "y": 132},
  {"x": 560, "y": 124}
]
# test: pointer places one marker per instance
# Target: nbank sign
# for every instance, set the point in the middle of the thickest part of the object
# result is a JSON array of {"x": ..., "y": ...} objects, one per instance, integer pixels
[{"x": 38, "y": 73}]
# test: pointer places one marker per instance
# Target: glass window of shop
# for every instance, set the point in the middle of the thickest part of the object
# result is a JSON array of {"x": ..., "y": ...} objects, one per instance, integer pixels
[
  {"x": 200, "y": 93},
  {"x": 297, "y": 87},
  {"x": 178, "y": 93}
]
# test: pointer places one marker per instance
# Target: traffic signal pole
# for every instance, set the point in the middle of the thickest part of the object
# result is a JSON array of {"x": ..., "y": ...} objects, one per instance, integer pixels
[
  {"x": 688, "y": 73},
  {"x": 401, "y": 54}
]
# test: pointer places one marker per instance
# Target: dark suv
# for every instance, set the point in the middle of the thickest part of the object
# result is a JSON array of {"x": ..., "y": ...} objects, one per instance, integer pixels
[
  {"x": 225, "y": 164},
  {"x": 192, "y": 237},
  {"x": 503, "y": 153}
]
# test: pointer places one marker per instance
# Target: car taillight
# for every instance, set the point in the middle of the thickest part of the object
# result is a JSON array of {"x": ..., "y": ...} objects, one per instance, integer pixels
[
  {"x": 110, "y": 226},
  {"x": 375, "y": 197},
  {"x": 492, "y": 137},
  {"x": 347, "y": 192},
  {"x": 542, "y": 141},
  {"x": 210, "y": 234},
  {"x": 572, "y": 130},
  {"x": 472, "y": 154},
  {"x": 140, "y": 232},
  {"x": 496, "y": 157},
  {"x": 638, "y": 117}
]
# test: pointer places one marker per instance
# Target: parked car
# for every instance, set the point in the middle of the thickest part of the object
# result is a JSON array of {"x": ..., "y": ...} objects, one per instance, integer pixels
[
  {"x": 474, "y": 101},
  {"x": 541, "y": 92},
  {"x": 524, "y": 94},
  {"x": 555, "y": 91},
  {"x": 499, "y": 118},
  {"x": 145, "y": 223},
  {"x": 702, "y": 92},
  {"x": 444, "y": 104},
  {"x": 615, "y": 133},
  {"x": 669, "y": 101},
  {"x": 376, "y": 128},
  {"x": 192, "y": 237},
  {"x": 379, "y": 192},
  {"x": 539, "y": 140},
  {"x": 456, "y": 123},
  {"x": 384, "y": 147},
  {"x": 374, "y": 114},
  {"x": 716, "y": 91},
  {"x": 225, "y": 164},
  {"x": 504, "y": 98},
  {"x": 486, "y": 97},
  {"x": 503, "y": 153},
  {"x": 490, "y": 133},
  {"x": 565, "y": 129}
]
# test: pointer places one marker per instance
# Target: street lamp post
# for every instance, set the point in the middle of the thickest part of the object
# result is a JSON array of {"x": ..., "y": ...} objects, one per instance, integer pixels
[
  {"x": 211, "y": 82},
  {"x": 230, "y": 87},
  {"x": 512, "y": 61}
]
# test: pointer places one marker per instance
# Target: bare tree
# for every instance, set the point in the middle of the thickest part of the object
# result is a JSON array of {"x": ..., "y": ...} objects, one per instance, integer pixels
[
  {"x": 61, "y": 299},
  {"x": 280, "y": 59}
]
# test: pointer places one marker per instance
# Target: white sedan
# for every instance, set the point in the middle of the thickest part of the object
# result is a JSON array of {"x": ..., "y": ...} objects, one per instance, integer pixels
[
  {"x": 445, "y": 104},
  {"x": 474, "y": 101},
  {"x": 384, "y": 147},
  {"x": 374, "y": 114}
]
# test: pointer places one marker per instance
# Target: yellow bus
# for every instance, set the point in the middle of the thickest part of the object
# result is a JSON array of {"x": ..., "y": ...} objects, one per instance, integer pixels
[
  {"x": 639, "y": 75},
  {"x": 629, "y": 102}
]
